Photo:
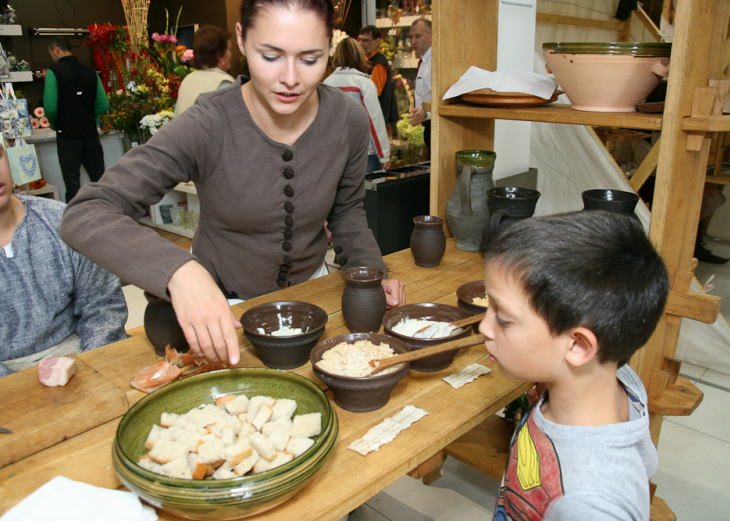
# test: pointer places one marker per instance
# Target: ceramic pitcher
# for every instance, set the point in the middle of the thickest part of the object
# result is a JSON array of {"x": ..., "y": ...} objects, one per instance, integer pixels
[
  {"x": 508, "y": 205},
  {"x": 161, "y": 325},
  {"x": 428, "y": 241},
  {"x": 466, "y": 209},
  {"x": 363, "y": 300}
]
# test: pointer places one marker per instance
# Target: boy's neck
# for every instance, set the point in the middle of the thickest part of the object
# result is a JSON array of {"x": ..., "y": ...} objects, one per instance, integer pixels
[{"x": 590, "y": 397}]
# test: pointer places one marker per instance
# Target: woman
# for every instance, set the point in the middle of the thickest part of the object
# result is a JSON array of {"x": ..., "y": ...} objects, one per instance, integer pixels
[
  {"x": 272, "y": 158},
  {"x": 351, "y": 78},
  {"x": 211, "y": 58}
]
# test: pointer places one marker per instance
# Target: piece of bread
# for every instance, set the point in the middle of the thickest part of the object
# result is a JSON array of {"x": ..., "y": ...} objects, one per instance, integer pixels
[
  {"x": 306, "y": 425},
  {"x": 166, "y": 451},
  {"x": 197, "y": 469},
  {"x": 263, "y": 416},
  {"x": 206, "y": 416},
  {"x": 228, "y": 435},
  {"x": 282, "y": 424},
  {"x": 261, "y": 445},
  {"x": 283, "y": 408},
  {"x": 255, "y": 404},
  {"x": 224, "y": 472},
  {"x": 238, "y": 405},
  {"x": 246, "y": 465},
  {"x": 298, "y": 446},
  {"x": 246, "y": 430},
  {"x": 155, "y": 434},
  {"x": 149, "y": 464},
  {"x": 280, "y": 459},
  {"x": 212, "y": 451},
  {"x": 169, "y": 419},
  {"x": 178, "y": 468},
  {"x": 279, "y": 439},
  {"x": 235, "y": 454},
  {"x": 222, "y": 400}
]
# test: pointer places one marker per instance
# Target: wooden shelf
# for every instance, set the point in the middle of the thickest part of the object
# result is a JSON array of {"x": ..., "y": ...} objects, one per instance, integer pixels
[
  {"x": 679, "y": 399},
  {"x": 556, "y": 113}
]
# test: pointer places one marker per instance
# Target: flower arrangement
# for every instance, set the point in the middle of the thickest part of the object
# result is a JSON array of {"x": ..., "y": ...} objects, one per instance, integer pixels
[
  {"x": 39, "y": 119},
  {"x": 154, "y": 122},
  {"x": 166, "y": 53},
  {"x": 414, "y": 135},
  {"x": 337, "y": 36}
]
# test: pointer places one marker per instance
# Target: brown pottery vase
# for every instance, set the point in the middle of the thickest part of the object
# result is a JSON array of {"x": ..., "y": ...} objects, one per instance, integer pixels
[
  {"x": 428, "y": 240},
  {"x": 363, "y": 301},
  {"x": 161, "y": 325}
]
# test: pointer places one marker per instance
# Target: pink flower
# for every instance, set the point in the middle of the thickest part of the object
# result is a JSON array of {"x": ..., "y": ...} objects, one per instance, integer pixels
[
  {"x": 39, "y": 113},
  {"x": 187, "y": 55},
  {"x": 44, "y": 122},
  {"x": 156, "y": 37},
  {"x": 34, "y": 123},
  {"x": 399, "y": 84},
  {"x": 173, "y": 39}
]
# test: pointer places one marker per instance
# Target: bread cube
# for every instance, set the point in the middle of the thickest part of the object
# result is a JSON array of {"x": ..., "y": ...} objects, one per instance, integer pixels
[
  {"x": 166, "y": 451},
  {"x": 246, "y": 430},
  {"x": 262, "y": 446},
  {"x": 307, "y": 425},
  {"x": 224, "y": 472},
  {"x": 222, "y": 400},
  {"x": 238, "y": 405},
  {"x": 242, "y": 450},
  {"x": 150, "y": 464},
  {"x": 197, "y": 469},
  {"x": 228, "y": 436},
  {"x": 280, "y": 459},
  {"x": 298, "y": 446},
  {"x": 263, "y": 416},
  {"x": 255, "y": 404},
  {"x": 283, "y": 408},
  {"x": 246, "y": 465},
  {"x": 212, "y": 451},
  {"x": 282, "y": 424},
  {"x": 156, "y": 433},
  {"x": 178, "y": 468},
  {"x": 169, "y": 419},
  {"x": 279, "y": 439}
]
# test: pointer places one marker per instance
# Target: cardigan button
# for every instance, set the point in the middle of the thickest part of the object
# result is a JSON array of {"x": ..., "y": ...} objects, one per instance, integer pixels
[
  {"x": 287, "y": 156},
  {"x": 286, "y": 246},
  {"x": 282, "y": 275},
  {"x": 289, "y": 221},
  {"x": 284, "y": 268},
  {"x": 338, "y": 249},
  {"x": 288, "y": 260},
  {"x": 288, "y": 207},
  {"x": 342, "y": 261},
  {"x": 288, "y": 191},
  {"x": 288, "y": 233},
  {"x": 288, "y": 173},
  {"x": 281, "y": 283}
]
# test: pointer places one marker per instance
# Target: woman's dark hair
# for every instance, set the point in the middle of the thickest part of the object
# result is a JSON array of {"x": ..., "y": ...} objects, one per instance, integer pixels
[
  {"x": 324, "y": 9},
  {"x": 593, "y": 269},
  {"x": 209, "y": 44},
  {"x": 349, "y": 53}
]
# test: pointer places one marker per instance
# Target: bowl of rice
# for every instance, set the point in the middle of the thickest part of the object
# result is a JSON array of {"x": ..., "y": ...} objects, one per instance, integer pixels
[
  {"x": 342, "y": 362},
  {"x": 425, "y": 325},
  {"x": 283, "y": 333}
]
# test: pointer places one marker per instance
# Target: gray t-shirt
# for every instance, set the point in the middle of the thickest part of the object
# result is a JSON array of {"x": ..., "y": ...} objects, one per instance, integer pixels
[
  {"x": 50, "y": 291},
  {"x": 578, "y": 473}
]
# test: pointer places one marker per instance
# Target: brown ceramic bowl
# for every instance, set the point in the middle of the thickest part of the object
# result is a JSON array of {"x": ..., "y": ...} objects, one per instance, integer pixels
[
  {"x": 284, "y": 352},
  {"x": 426, "y": 311},
  {"x": 360, "y": 394},
  {"x": 467, "y": 292}
]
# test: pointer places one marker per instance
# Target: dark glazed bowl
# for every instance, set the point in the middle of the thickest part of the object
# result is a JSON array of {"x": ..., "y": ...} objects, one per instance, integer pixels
[
  {"x": 365, "y": 393},
  {"x": 609, "y": 200},
  {"x": 284, "y": 352},
  {"x": 426, "y": 311},
  {"x": 469, "y": 291}
]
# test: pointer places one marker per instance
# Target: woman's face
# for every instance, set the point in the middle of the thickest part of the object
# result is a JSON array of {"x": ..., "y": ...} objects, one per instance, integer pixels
[{"x": 287, "y": 51}]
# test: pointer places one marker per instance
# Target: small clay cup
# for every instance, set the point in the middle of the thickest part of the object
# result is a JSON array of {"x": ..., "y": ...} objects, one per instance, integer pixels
[
  {"x": 363, "y": 300},
  {"x": 284, "y": 352},
  {"x": 428, "y": 241},
  {"x": 427, "y": 311},
  {"x": 360, "y": 394},
  {"x": 467, "y": 292},
  {"x": 616, "y": 201},
  {"x": 161, "y": 326}
]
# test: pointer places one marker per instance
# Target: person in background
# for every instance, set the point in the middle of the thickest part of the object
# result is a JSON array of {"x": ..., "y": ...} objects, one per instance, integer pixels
[
  {"x": 380, "y": 71},
  {"x": 421, "y": 42},
  {"x": 571, "y": 298},
  {"x": 73, "y": 100},
  {"x": 211, "y": 59},
  {"x": 55, "y": 301},
  {"x": 350, "y": 77},
  {"x": 272, "y": 157}
]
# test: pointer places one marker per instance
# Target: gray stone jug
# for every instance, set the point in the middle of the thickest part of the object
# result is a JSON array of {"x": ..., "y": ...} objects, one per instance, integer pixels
[{"x": 467, "y": 211}]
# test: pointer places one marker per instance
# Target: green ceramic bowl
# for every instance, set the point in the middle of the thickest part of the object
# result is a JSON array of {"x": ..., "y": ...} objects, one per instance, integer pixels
[
  {"x": 621, "y": 48},
  {"x": 477, "y": 158},
  {"x": 231, "y": 498}
]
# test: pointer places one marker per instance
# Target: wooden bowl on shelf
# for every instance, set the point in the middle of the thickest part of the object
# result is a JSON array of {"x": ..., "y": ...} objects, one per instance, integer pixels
[{"x": 514, "y": 100}]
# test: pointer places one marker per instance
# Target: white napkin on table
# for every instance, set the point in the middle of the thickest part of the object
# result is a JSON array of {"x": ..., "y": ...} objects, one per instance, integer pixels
[
  {"x": 503, "y": 80},
  {"x": 63, "y": 499}
]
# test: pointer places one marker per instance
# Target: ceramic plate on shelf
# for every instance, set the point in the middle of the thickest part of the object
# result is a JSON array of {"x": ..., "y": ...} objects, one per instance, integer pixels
[{"x": 490, "y": 98}]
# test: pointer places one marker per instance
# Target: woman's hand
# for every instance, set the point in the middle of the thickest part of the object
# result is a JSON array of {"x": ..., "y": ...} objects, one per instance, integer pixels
[
  {"x": 395, "y": 293},
  {"x": 204, "y": 314}
]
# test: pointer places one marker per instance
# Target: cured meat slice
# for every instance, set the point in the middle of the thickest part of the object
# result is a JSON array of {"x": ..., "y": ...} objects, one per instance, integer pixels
[{"x": 54, "y": 372}]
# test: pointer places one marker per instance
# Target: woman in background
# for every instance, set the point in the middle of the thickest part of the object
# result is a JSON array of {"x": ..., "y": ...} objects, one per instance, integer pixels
[
  {"x": 351, "y": 78},
  {"x": 211, "y": 59}
]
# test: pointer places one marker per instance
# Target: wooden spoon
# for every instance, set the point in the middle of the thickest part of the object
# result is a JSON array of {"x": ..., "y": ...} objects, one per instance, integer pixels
[
  {"x": 425, "y": 352},
  {"x": 423, "y": 332}
]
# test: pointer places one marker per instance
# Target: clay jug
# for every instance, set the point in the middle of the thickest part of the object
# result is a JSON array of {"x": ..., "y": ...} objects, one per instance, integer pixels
[
  {"x": 428, "y": 241},
  {"x": 363, "y": 301},
  {"x": 161, "y": 325},
  {"x": 609, "y": 200},
  {"x": 508, "y": 205},
  {"x": 466, "y": 209}
]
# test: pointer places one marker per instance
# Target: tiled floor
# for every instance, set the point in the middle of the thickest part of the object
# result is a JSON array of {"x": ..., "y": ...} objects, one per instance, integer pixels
[{"x": 694, "y": 451}]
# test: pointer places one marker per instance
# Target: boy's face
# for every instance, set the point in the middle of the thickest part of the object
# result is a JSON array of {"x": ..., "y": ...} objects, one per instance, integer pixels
[{"x": 517, "y": 338}]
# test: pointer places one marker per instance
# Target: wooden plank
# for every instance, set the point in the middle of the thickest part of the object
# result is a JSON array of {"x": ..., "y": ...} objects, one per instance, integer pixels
[
  {"x": 430, "y": 469},
  {"x": 547, "y": 18},
  {"x": 646, "y": 167},
  {"x": 718, "y": 179},
  {"x": 694, "y": 305},
  {"x": 485, "y": 447},
  {"x": 707, "y": 124},
  {"x": 647, "y": 22},
  {"x": 555, "y": 113},
  {"x": 702, "y": 104},
  {"x": 660, "y": 511},
  {"x": 678, "y": 399},
  {"x": 41, "y": 416}
]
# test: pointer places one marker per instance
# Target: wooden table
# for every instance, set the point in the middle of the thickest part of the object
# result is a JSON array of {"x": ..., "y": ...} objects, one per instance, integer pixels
[{"x": 347, "y": 479}]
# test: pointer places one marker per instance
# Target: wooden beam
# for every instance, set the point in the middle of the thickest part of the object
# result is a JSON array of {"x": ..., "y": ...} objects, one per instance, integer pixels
[
  {"x": 646, "y": 167},
  {"x": 617, "y": 25},
  {"x": 706, "y": 124},
  {"x": 697, "y": 306},
  {"x": 678, "y": 399},
  {"x": 648, "y": 24}
]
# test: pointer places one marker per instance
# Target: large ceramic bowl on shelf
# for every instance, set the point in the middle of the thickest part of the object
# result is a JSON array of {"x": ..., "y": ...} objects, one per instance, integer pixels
[
  {"x": 364, "y": 393},
  {"x": 284, "y": 352},
  {"x": 435, "y": 313},
  {"x": 228, "y": 498},
  {"x": 607, "y": 77}
]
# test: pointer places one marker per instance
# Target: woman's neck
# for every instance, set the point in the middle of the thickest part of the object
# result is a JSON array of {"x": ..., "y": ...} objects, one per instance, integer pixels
[
  {"x": 10, "y": 218},
  {"x": 282, "y": 128}
]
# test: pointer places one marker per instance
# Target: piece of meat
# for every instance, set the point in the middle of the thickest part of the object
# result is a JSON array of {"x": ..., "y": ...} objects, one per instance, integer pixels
[
  {"x": 54, "y": 372},
  {"x": 156, "y": 375}
]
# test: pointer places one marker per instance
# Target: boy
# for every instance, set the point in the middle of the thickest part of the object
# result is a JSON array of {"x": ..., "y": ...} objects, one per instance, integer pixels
[{"x": 571, "y": 298}]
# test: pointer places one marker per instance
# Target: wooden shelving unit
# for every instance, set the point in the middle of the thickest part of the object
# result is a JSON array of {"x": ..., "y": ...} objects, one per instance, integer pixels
[{"x": 464, "y": 36}]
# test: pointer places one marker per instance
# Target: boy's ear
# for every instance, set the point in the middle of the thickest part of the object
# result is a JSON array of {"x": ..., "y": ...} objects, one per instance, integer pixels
[{"x": 583, "y": 348}]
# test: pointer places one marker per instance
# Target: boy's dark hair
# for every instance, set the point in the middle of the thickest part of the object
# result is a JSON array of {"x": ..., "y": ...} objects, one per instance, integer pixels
[
  {"x": 324, "y": 9},
  {"x": 209, "y": 44},
  {"x": 593, "y": 269},
  {"x": 371, "y": 31},
  {"x": 61, "y": 43}
]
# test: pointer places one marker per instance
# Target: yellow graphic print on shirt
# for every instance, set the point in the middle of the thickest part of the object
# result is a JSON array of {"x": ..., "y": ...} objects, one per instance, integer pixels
[{"x": 528, "y": 461}]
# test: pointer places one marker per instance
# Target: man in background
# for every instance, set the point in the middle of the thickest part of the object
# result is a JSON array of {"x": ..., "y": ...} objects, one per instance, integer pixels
[
  {"x": 73, "y": 99},
  {"x": 421, "y": 42},
  {"x": 380, "y": 72}
]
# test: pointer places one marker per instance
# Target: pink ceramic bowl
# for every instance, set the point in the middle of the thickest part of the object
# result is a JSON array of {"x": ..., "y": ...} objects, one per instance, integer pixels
[{"x": 606, "y": 82}]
